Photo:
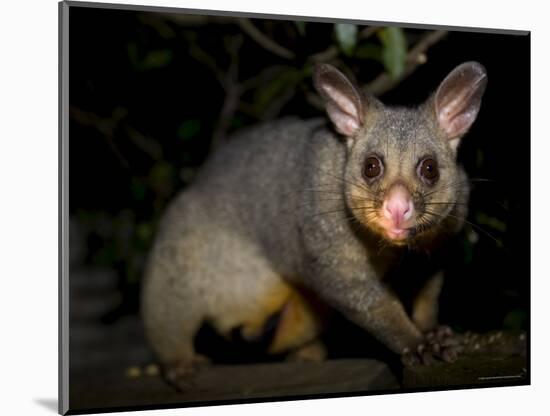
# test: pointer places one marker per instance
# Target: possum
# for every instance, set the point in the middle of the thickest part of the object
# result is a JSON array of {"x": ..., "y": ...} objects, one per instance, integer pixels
[{"x": 295, "y": 216}]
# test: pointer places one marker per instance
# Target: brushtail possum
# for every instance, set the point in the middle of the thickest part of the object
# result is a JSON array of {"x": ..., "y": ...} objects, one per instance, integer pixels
[{"x": 295, "y": 208}]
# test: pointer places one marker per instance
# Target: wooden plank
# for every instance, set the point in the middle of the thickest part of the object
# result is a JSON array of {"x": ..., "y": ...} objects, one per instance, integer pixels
[
  {"x": 469, "y": 370},
  {"x": 113, "y": 389}
]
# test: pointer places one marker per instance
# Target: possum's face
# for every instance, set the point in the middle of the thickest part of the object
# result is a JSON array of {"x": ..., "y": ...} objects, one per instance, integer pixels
[{"x": 402, "y": 180}]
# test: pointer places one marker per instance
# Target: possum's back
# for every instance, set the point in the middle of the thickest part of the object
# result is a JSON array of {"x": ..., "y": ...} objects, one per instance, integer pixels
[
  {"x": 252, "y": 185},
  {"x": 258, "y": 174}
]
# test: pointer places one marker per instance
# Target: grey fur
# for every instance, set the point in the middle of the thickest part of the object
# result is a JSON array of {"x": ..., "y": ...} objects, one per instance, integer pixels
[{"x": 278, "y": 205}]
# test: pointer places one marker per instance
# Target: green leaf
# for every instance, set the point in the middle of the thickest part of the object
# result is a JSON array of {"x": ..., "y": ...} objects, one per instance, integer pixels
[
  {"x": 480, "y": 158},
  {"x": 346, "y": 35},
  {"x": 189, "y": 129},
  {"x": 515, "y": 320},
  {"x": 161, "y": 178},
  {"x": 285, "y": 80},
  {"x": 144, "y": 232},
  {"x": 139, "y": 189},
  {"x": 369, "y": 51},
  {"x": 394, "y": 51},
  {"x": 493, "y": 222},
  {"x": 161, "y": 172},
  {"x": 152, "y": 60},
  {"x": 157, "y": 59},
  {"x": 237, "y": 122},
  {"x": 468, "y": 251},
  {"x": 106, "y": 255},
  {"x": 301, "y": 26}
]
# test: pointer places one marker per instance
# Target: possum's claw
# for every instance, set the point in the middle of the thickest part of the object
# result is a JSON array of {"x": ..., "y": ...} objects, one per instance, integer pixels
[
  {"x": 440, "y": 344},
  {"x": 182, "y": 375}
]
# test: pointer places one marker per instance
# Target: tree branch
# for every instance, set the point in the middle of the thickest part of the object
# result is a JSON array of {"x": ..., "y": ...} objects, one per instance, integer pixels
[
  {"x": 248, "y": 27},
  {"x": 105, "y": 126},
  {"x": 206, "y": 59},
  {"x": 325, "y": 56},
  {"x": 416, "y": 57},
  {"x": 368, "y": 32},
  {"x": 233, "y": 93},
  {"x": 108, "y": 128}
]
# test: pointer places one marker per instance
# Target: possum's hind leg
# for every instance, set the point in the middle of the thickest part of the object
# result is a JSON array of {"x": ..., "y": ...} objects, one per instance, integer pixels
[
  {"x": 208, "y": 275},
  {"x": 172, "y": 315},
  {"x": 299, "y": 327}
]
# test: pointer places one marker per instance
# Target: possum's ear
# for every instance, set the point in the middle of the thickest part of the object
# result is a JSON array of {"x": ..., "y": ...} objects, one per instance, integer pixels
[
  {"x": 344, "y": 101},
  {"x": 458, "y": 99}
]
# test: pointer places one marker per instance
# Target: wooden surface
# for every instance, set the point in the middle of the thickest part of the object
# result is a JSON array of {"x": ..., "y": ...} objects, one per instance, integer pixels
[
  {"x": 122, "y": 388},
  {"x": 236, "y": 382},
  {"x": 470, "y": 370}
]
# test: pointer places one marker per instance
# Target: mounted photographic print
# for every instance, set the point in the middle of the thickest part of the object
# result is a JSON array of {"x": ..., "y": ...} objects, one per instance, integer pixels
[{"x": 266, "y": 208}]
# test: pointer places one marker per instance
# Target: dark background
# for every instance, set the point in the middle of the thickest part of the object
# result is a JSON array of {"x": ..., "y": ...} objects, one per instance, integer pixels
[{"x": 149, "y": 91}]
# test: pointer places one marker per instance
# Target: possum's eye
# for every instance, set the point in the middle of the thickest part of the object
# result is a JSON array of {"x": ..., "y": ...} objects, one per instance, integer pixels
[
  {"x": 373, "y": 167},
  {"x": 427, "y": 170}
]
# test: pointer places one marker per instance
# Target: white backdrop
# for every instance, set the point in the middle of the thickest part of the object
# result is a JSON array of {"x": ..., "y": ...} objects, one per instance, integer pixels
[{"x": 28, "y": 203}]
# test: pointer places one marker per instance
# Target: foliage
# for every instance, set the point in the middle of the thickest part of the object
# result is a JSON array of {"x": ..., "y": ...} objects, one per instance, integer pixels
[
  {"x": 160, "y": 43},
  {"x": 346, "y": 35},
  {"x": 394, "y": 51},
  {"x": 153, "y": 103}
]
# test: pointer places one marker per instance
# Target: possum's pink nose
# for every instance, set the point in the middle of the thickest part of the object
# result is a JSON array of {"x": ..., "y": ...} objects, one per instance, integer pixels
[{"x": 398, "y": 206}]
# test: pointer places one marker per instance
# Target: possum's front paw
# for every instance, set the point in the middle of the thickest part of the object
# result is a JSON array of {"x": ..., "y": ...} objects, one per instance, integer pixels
[
  {"x": 182, "y": 375},
  {"x": 439, "y": 344}
]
